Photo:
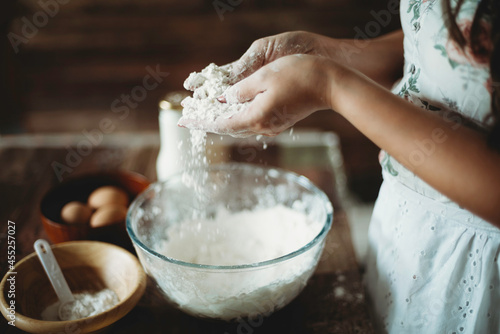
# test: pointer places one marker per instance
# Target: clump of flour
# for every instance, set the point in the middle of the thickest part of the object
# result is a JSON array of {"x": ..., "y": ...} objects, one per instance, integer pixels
[
  {"x": 86, "y": 304},
  {"x": 207, "y": 86}
]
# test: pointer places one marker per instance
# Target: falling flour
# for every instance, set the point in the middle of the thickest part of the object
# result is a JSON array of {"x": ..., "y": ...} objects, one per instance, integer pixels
[
  {"x": 203, "y": 106},
  {"x": 86, "y": 304}
]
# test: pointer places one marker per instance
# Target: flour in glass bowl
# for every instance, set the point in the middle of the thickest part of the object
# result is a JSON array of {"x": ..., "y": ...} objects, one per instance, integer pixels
[{"x": 239, "y": 238}]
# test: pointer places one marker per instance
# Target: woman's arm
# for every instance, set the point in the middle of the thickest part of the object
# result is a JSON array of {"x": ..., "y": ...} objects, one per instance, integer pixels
[
  {"x": 450, "y": 157},
  {"x": 380, "y": 58}
]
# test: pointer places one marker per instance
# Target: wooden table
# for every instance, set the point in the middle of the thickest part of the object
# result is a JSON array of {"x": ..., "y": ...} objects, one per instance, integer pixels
[{"x": 333, "y": 301}]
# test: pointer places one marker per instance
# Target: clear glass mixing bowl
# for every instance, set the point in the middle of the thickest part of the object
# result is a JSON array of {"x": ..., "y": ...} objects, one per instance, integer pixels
[{"x": 231, "y": 291}]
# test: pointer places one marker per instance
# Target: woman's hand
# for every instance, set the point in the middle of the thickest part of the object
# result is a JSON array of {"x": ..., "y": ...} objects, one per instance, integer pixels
[
  {"x": 281, "y": 93},
  {"x": 381, "y": 59},
  {"x": 266, "y": 50}
]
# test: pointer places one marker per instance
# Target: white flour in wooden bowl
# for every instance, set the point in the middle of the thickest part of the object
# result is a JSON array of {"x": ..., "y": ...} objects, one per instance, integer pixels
[{"x": 86, "y": 304}]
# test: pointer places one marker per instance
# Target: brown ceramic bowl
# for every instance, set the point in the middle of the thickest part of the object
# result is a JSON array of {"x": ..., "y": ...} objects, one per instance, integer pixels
[
  {"x": 87, "y": 266},
  {"x": 79, "y": 189}
]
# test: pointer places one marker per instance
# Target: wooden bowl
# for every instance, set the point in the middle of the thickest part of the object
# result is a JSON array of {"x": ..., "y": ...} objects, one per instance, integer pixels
[
  {"x": 87, "y": 266},
  {"x": 79, "y": 189}
]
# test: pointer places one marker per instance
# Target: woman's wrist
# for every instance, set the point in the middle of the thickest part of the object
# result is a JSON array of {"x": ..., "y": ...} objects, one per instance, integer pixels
[{"x": 338, "y": 77}]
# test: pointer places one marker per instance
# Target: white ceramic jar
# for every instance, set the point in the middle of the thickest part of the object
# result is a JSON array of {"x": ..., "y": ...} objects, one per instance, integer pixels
[{"x": 174, "y": 140}]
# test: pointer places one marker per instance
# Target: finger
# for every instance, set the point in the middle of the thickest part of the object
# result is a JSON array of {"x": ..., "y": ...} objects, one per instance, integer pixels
[
  {"x": 229, "y": 66},
  {"x": 201, "y": 124},
  {"x": 253, "y": 59},
  {"x": 189, "y": 123},
  {"x": 193, "y": 124},
  {"x": 252, "y": 120},
  {"x": 245, "y": 90}
]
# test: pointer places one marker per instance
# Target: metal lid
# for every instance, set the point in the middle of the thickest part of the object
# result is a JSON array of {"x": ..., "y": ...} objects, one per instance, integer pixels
[{"x": 172, "y": 100}]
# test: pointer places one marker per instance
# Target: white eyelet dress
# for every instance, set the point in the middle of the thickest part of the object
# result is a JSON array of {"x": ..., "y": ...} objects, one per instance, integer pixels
[{"x": 432, "y": 266}]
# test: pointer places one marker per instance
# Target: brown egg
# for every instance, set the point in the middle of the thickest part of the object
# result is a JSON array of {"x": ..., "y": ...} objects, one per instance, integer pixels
[
  {"x": 107, "y": 195},
  {"x": 76, "y": 213},
  {"x": 108, "y": 214}
]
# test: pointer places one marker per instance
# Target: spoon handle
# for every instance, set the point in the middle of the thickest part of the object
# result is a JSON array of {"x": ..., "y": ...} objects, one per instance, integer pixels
[{"x": 53, "y": 271}]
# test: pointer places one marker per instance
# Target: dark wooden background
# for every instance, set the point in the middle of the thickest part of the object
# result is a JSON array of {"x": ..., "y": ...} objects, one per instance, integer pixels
[{"x": 65, "y": 77}]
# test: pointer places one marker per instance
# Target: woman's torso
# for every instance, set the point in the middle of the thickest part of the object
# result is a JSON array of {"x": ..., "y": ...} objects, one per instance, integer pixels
[{"x": 440, "y": 77}]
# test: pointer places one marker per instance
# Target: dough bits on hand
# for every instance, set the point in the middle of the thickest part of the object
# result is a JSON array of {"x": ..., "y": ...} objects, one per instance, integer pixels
[{"x": 105, "y": 206}]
